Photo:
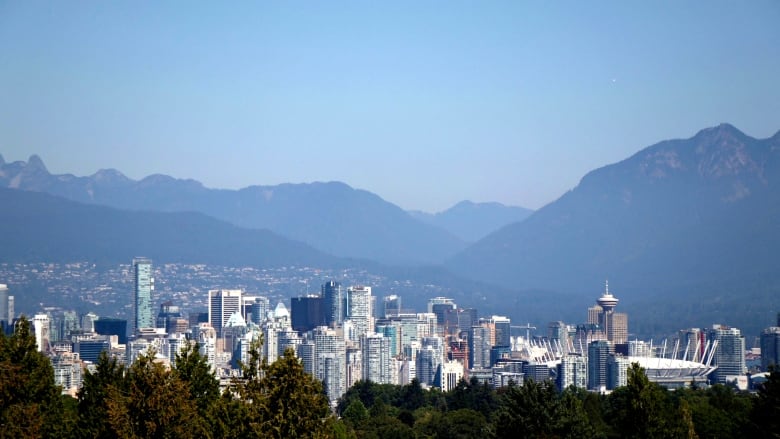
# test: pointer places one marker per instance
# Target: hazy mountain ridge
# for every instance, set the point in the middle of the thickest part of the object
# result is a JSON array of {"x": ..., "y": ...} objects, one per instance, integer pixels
[
  {"x": 680, "y": 211},
  {"x": 42, "y": 227},
  {"x": 332, "y": 217},
  {"x": 472, "y": 221}
]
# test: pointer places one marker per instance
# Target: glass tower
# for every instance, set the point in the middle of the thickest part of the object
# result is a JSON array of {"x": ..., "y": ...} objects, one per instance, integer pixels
[{"x": 142, "y": 294}]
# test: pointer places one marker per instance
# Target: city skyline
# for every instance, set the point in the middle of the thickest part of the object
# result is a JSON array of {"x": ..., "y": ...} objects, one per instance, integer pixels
[{"x": 509, "y": 102}]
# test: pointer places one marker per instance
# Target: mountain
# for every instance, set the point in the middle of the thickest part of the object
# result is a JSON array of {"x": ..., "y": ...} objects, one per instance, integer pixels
[
  {"x": 682, "y": 217},
  {"x": 471, "y": 221},
  {"x": 40, "y": 227},
  {"x": 332, "y": 217}
]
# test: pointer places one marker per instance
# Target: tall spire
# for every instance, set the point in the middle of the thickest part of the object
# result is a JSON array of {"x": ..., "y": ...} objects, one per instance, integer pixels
[{"x": 606, "y": 289}]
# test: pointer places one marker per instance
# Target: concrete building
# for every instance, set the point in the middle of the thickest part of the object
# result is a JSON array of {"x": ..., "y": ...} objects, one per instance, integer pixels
[
  {"x": 729, "y": 353},
  {"x": 222, "y": 305}
]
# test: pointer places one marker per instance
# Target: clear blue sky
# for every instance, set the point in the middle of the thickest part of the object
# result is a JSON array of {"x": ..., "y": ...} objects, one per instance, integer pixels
[{"x": 424, "y": 103}]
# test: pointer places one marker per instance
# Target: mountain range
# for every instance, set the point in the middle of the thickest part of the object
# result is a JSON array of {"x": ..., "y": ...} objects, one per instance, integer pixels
[
  {"x": 471, "y": 221},
  {"x": 332, "y": 217},
  {"x": 688, "y": 223},
  {"x": 687, "y": 232}
]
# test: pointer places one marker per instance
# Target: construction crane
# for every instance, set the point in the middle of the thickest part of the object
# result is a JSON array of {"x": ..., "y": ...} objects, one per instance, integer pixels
[{"x": 527, "y": 328}]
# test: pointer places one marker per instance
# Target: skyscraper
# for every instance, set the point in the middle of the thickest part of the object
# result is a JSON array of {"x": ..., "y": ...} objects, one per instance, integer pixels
[
  {"x": 143, "y": 286},
  {"x": 770, "y": 347},
  {"x": 479, "y": 347},
  {"x": 572, "y": 371},
  {"x": 392, "y": 306},
  {"x": 729, "y": 353},
  {"x": 329, "y": 362},
  {"x": 333, "y": 303},
  {"x": 359, "y": 300},
  {"x": 4, "y": 303},
  {"x": 598, "y": 355},
  {"x": 306, "y": 313},
  {"x": 223, "y": 304},
  {"x": 614, "y": 325},
  {"x": 376, "y": 358}
]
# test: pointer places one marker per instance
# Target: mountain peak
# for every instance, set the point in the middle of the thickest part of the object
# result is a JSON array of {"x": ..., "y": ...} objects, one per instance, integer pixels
[
  {"x": 722, "y": 133},
  {"x": 2, "y": 160},
  {"x": 35, "y": 162}
]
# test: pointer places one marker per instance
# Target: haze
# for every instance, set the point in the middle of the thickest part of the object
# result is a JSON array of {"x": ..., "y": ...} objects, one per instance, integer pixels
[{"x": 424, "y": 104}]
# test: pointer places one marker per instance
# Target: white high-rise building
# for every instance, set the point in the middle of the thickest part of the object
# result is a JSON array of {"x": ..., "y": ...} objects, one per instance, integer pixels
[
  {"x": 729, "y": 353},
  {"x": 41, "y": 324},
  {"x": 223, "y": 304},
  {"x": 207, "y": 344},
  {"x": 329, "y": 358},
  {"x": 376, "y": 358},
  {"x": 4, "y": 303},
  {"x": 573, "y": 371},
  {"x": 359, "y": 310},
  {"x": 450, "y": 373}
]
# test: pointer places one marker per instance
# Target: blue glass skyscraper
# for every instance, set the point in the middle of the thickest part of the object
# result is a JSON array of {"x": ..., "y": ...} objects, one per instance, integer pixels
[{"x": 143, "y": 286}]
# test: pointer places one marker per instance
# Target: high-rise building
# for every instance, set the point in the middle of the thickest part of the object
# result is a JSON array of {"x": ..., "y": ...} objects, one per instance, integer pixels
[
  {"x": 430, "y": 356},
  {"x": 729, "y": 353},
  {"x": 770, "y": 347},
  {"x": 479, "y": 347},
  {"x": 306, "y": 313},
  {"x": 223, "y": 304},
  {"x": 617, "y": 371},
  {"x": 333, "y": 303},
  {"x": 443, "y": 308},
  {"x": 614, "y": 325},
  {"x": 693, "y": 343},
  {"x": 502, "y": 331},
  {"x": 109, "y": 326},
  {"x": 572, "y": 371},
  {"x": 167, "y": 316},
  {"x": 359, "y": 311},
  {"x": 41, "y": 323},
  {"x": 329, "y": 360},
  {"x": 4, "y": 304},
  {"x": 449, "y": 375},
  {"x": 376, "y": 358},
  {"x": 598, "y": 355},
  {"x": 391, "y": 306},
  {"x": 143, "y": 285}
]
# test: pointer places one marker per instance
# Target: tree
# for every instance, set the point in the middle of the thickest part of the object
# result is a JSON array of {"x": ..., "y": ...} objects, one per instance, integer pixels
[
  {"x": 766, "y": 410},
  {"x": 293, "y": 402},
  {"x": 93, "y": 397},
  {"x": 30, "y": 403},
  {"x": 641, "y": 409},
  {"x": 154, "y": 404},
  {"x": 194, "y": 370}
]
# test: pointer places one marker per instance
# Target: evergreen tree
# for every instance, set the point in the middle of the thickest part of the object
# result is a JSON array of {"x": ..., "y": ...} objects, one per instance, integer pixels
[
  {"x": 93, "y": 397},
  {"x": 154, "y": 404},
  {"x": 30, "y": 403},
  {"x": 766, "y": 411},
  {"x": 194, "y": 370}
]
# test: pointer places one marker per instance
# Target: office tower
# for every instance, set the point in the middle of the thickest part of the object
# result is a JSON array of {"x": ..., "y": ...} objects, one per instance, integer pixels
[
  {"x": 614, "y": 325},
  {"x": 498, "y": 353},
  {"x": 430, "y": 356},
  {"x": 167, "y": 316},
  {"x": 598, "y": 354},
  {"x": 502, "y": 330},
  {"x": 223, "y": 304},
  {"x": 69, "y": 324},
  {"x": 89, "y": 347},
  {"x": 375, "y": 350},
  {"x": 306, "y": 352},
  {"x": 391, "y": 306},
  {"x": 88, "y": 322},
  {"x": 617, "y": 371},
  {"x": 329, "y": 360},
  {"x": 359, "y": 311},
  {"x": 306, "y": 313},
  {"x": 143, "y": 285},
  {"x": 4, "y": 304},
  {"x": 449, "y": 375},
  {"x": 109, "y": 326},
  {"x": 467, "y": 318},
  {"x": 770, "y": 347},
  {"x": 255, "y": 308},
  {"x": 391, "y": 332},
  {"x": 572, "y": 371},
  {"x": 536, "y": 371},
  {"x": 639, "y": 348},
  {"x": 442, "y": 307},
  {"x": 333, "y": 299},
  {"x": 729, "y": 353},
  {"x": 479, "y": 347}
]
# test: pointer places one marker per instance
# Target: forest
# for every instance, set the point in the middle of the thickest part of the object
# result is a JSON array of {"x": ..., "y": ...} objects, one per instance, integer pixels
[{"x": 280, "y": 400}]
